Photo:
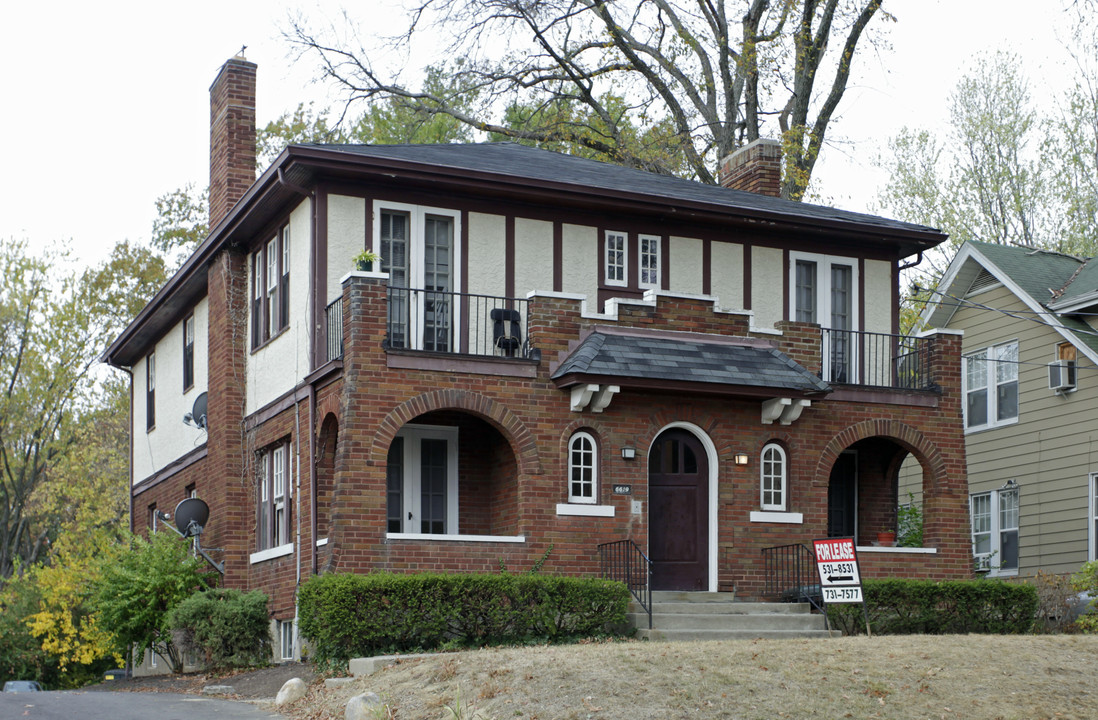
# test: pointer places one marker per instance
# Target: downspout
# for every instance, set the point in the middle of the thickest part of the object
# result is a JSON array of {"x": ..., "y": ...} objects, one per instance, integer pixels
[
  {"x": 312, "y": 469},
  {"x": 297, "y": 511},
  {"x": 918, "y": 260}
]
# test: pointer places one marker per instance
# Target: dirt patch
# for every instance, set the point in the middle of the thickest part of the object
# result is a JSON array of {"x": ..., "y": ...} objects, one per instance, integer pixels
[
  {"x": 900, "y": 678},
  {"x": 248, "y": 684}
]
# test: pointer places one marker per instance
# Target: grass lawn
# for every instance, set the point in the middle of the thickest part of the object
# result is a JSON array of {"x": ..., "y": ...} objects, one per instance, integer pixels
[{"x": 901, "y": 677}]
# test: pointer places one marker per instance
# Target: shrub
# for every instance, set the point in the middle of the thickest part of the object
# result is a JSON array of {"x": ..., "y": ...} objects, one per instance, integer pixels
[
  {"x": 1086, "y": 581},
  {"x": 228, "y": 627},
  {"x": 906, "y": 607},
  {"x": 346, "y": 616},
  {"x": 1054, "y": 602}
]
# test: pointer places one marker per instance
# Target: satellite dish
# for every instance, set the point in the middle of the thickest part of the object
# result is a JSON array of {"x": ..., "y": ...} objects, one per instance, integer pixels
[
  {"x": 191, "y": 515},
  {"x": 198, "y": 413}
]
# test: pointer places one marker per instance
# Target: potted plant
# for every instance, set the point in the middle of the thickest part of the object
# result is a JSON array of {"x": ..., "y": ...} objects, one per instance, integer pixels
[
  {"x": 886, "y": 538},
  {"x": 365, "y": 260}
]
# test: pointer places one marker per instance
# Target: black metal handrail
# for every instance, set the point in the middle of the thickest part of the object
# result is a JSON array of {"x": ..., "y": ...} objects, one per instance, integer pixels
[
  {"x": 876, "y": 359},
  {"x": 333, "y": 316},
  {"x": 790, "y": 573},
  {"x": 623, "y": 561},
  {"x": 458, "y": 323}
]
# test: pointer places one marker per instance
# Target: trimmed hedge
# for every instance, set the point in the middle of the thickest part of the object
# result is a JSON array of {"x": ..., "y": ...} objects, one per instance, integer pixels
[
  {"x": 228, "y": 627},
  {"x": 925, "y": 607},
  {"x": 346, "y": 615}
]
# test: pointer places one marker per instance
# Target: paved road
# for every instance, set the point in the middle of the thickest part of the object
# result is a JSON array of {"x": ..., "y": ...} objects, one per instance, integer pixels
[{"x": 73, "y": 704}]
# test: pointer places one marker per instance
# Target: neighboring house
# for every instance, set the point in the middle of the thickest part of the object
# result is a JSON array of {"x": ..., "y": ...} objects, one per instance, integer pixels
[
  {"x": 552, "y": 354},
  {"x": 1030, "y": 348}
]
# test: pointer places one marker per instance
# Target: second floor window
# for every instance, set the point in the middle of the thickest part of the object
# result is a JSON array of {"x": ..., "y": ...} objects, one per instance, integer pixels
[
  {"x": 616, "y": 259},
  {"x": 991, "y": 387},
  {"x": 273, "y": 496},
  {"x": 150, "y": 391},
  {"x": 650, "y": 261},
  {"x": 188, "y": 353},
  {"x": 271, "y": 287}
]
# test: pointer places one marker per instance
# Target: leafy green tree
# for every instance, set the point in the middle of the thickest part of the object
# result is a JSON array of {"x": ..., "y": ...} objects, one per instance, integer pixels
[
  {"x": 135, "y": 595},
  {"x": 181, "y": 223},
  {"x": 714, "y": 75}
]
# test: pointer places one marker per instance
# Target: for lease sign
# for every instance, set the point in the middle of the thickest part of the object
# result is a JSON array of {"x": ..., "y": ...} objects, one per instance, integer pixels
[{"x": 837, "y": 564}]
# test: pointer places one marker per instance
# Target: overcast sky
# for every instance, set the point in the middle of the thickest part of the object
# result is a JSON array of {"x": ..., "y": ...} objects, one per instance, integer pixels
[{"x": 105, "y": 106}]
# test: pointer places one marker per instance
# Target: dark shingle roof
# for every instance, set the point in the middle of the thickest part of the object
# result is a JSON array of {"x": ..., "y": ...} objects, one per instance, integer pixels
[
  {"x": 520, "y": 161},
  {"x": 662, "y": 358}
]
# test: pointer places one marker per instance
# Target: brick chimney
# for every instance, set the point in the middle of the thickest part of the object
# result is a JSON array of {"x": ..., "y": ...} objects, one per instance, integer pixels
[
  {"x": 756, "y": 167},
  {"x": 232, "y": 136}
]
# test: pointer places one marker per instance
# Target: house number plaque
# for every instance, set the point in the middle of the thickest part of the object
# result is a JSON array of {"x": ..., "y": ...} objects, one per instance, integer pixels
[{"x": 623, "y": 489}]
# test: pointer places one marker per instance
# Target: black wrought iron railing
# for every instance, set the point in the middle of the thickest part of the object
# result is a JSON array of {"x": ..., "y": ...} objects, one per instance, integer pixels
[
  {"x": 333, "y": 316},
  {"x": 790, "y": 572},
  {"x": 623, "y": 561},
  {"x": 876, "y": 359},
  {"x": 460, "y": 323}
]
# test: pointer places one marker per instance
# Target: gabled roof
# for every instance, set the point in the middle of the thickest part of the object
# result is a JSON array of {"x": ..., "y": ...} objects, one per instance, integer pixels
[
  {"x": 1053, "y": 285},
  {"x": 689, "y": 362}
]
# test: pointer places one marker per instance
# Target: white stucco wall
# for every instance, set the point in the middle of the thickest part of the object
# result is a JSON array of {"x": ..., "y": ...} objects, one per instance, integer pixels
[
  {"x": 579, "y": 256},
  {"x": 487, "y": 238},
  {"x": 282, "y": 363},
  {"x": 170, "y": 439},
  {"x": 686, "y": 265},
  {"x": 878, "y": 296},
  {"x": 767, "y": 281},
  {"x": 346, "y": 238},
  {"x": 726, "y": 278},
  {"x": 533, "y": 256}
]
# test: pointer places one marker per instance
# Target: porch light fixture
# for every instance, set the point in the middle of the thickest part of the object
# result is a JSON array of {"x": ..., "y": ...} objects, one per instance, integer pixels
[
  {"x": 628, "y": 453},
  {"x": 740, "y": 458}
]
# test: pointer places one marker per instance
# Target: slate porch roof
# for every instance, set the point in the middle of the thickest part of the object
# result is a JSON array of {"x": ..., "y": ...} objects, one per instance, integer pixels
[{"x": 690, "y": 362}]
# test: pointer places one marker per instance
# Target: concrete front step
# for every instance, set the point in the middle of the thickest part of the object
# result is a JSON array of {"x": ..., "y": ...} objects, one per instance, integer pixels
[{"x": 713, "y": 616}]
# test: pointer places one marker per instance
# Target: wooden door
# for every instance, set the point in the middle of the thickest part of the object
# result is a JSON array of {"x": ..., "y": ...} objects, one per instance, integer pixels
[
  {"x": 678, "y": 513},
  {"x": 842, "y": 497}
]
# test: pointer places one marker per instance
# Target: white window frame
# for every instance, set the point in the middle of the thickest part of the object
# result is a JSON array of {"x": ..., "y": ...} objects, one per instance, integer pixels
[
  {"x": 590, "y": 468},
  {"x": 417, "y": 215},
  {"x": 781, "y": 478},
  {"x": 287, "y": 639},
  {"x": 270, "y": 280},
  {"x": 274, "y": 471},
  {"x": 150, "y": 391},
  {"x": 991, "y": 385},
  {"x": 824, "y": 264},
  {"x": 609, "y": 252},
  {"x": 1092, "y": 518},
  {"x": 655, "y": 267},
  {"x": 995, "y": 529},
  {"x": 188, "y": 352},
  {"x": 410, "y": 494}
]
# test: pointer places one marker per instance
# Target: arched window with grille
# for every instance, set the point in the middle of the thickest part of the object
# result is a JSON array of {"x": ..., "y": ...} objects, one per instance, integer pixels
[
  {"x": 773, "y": 469},
  {"x": 582, "y": 468}
]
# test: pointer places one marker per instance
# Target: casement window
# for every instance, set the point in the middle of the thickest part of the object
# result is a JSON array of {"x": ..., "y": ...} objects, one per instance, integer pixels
[
  {"x": 824, "y": 290},
  {"x": 583, "y": 472},
  {"x": 421, "y": 481},
  {"x": 150, "y": 391},
  {"x": 273, "y": 496},
  {"x": 286, "y": 636},
  {"x": 188, "y": 352},
  {"x": 991, "y": 387},
  {"x": 271, "y": 287},
  {"x": 616, "y": 258},
  {"x": 773, "y": 469},
  {"x": 649, "y": 260},
  {"x": 418, "y": 249},
  {"x": 995, "y": 530}
]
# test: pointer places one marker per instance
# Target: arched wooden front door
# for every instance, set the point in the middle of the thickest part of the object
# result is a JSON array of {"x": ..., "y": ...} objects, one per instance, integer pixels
[{"x": 678, "y": 512}]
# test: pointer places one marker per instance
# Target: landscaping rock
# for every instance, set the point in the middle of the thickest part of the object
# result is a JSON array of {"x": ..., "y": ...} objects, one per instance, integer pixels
[
  {"x": 362, "y": 707},
  {"x": 219, "y": 690},
  {"x": 292, "y": 691}
]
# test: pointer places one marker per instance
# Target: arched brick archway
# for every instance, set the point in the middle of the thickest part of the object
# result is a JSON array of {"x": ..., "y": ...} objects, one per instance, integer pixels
[
  {"x": 517, "y": 435},
  {"x": 902, "y": 434}
]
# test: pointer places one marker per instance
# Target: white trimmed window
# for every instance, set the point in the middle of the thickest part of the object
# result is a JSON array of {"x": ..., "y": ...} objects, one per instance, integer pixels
[
  {"x": 188, "y": 352},
  {"x": 995, "y": 531},
  {"x": 582, "y": 468},
  {"x": 773, "y": 468},
  {"x": 650, "y": 261},
  {"x": 616, "y": 258},
  {"x": 150, "y": 391},
  {"x": 273, "y": 495},
  {"x": 991, "y": 387},
  {"x": 286, "y": 636},
  {"x": 824, "y": 290},
  {"x": 271, "y": 287}
]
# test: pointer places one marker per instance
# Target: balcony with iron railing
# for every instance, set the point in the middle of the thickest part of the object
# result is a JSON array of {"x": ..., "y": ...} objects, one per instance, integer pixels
[
  {"x": 877, "y": 360},
  {"x": 442, "y": 322}
]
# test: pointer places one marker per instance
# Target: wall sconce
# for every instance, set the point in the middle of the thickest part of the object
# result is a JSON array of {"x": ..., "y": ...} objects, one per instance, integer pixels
[
  {"x": 628, "y": 453},
  {"x": 740, "y": 458}
]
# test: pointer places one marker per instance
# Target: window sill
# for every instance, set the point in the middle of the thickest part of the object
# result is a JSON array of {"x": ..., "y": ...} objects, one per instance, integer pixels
[
  {"x": 990, "y": 426},
  {"x": 457, "y": 538},
  {"x": 322, "y": 542},
  {"x": 585, "y": 510},
  {"x": 892, "y": 549},
  {"x": 770, "y": 516},
  {"x": 271, "y": 553}
]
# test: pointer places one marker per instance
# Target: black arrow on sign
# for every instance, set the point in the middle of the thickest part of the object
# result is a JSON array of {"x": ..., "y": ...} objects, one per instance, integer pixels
[{"x": 840, "y": 578}]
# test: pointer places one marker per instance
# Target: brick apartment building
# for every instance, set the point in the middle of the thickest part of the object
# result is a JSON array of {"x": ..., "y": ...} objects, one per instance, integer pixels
[{"x": 552, "y": 354}]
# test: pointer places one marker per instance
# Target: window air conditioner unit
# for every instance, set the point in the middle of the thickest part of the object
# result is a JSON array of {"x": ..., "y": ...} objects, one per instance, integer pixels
[{"x": 1061, "y": 375}]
